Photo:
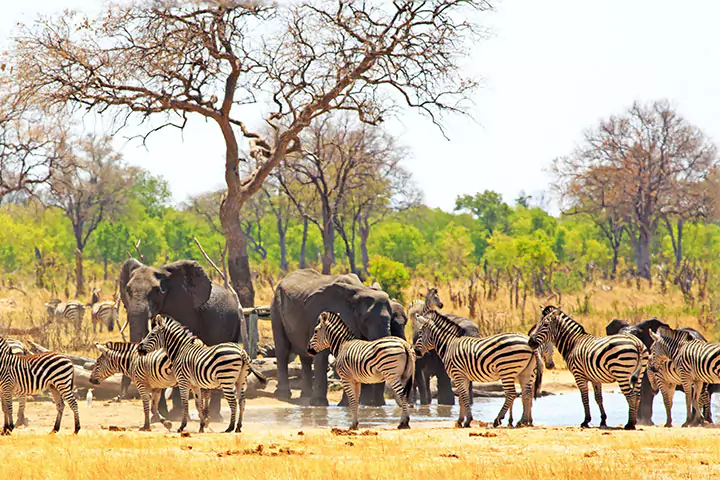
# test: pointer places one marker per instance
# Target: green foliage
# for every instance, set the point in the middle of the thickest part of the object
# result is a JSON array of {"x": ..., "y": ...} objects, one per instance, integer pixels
[
  {"x": 488, "y": 208},
  {"x": 392, "y": 275}
]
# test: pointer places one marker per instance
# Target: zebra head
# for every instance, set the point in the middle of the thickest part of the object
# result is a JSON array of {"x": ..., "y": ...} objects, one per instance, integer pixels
[
  {"x": 105, "y": 365},
  {"x": 424, "y": 342},
  {"x": 5, "y": 347},
  {"x": 432, "y": 299},
  {"x": 546, "y": 350},
  {"x": 544, "y": 329},
  {"x": 320, "y": 339},
  {"x": 666, "y": 344},
  {"x": 155, "y": 339},
  {"x": 656, "y": 371}
]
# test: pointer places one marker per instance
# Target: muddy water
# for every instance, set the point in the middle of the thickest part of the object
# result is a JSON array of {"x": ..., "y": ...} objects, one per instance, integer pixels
[{"x": 554, "y": 410}]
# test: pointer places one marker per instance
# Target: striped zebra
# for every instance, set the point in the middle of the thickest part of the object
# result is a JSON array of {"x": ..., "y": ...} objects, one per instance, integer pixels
[
  {"x": 151, "y": 374},
  {"x": 618, "y": 358},
  {"x": 506, "y": 357},
  {"x": 421, "y": 307},
  {"x": 201, "y": 369},
  {"x": 388, "y": 359},
  {"x": 546, "y": 350},
  {"x": 664, "y": 377},
  {"x": 29, "y": 374},
  {"x": 696, "y": 362},
  {"x": 67, "y": 313},
  {"x": 104, "y": 313}
]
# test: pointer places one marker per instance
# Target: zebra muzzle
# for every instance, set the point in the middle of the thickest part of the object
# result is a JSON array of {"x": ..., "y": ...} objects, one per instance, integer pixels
[
  {"x": 533, "y": 343},
  {"x": 311, "y": 351}
]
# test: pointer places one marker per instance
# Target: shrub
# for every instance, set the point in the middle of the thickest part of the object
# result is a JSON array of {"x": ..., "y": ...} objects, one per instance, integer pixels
[{"x": 392, "y": 275}]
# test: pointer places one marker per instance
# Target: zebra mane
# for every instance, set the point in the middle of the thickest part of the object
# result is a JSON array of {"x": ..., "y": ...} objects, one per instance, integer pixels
[
  {"x": 120, "y": 346},
  {"x": 333, "y": 318},
  {"x": 671, "y": 335},
  {"x": 564, "y": 316},
  {"x": 445, "y": 322}
]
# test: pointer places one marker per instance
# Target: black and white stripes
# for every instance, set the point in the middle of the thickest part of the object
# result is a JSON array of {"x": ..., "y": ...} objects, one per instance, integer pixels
[
  {"x": 30, "y": 374},
  {"x": 201, "y": 368},
  {"x": 618, "y": 358},
  {"x": 506, "y": 357},
  {"x": 151, "y": 374},
  {"x": 697, "y": 363},
  {"x": 388, "y": 359}
]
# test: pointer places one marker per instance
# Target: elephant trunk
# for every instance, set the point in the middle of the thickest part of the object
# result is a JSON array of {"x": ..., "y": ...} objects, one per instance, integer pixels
[{"x": 138, "y": 320}]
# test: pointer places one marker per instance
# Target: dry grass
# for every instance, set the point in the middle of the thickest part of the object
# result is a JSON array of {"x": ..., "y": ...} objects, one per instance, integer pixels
[{"x": 538, "y": 453}]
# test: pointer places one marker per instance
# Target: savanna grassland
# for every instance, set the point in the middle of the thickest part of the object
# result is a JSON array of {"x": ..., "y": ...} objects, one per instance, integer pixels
[{"x": 427, "y": 451}]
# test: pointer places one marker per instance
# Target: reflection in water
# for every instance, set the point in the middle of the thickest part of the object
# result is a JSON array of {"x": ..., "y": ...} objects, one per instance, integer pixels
[{"x": 554, "y": 410}]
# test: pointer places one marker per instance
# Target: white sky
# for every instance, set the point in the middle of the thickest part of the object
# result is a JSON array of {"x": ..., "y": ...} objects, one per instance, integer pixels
[{"x": 550, "y": 69}]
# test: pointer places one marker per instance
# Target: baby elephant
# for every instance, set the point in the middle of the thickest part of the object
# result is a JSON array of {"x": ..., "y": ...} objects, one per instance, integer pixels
[{"x": 388, "y": 359}]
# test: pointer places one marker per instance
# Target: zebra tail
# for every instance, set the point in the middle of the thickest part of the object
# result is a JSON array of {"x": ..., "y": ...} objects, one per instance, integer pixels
[
  {"x": 538, "y": 376},
  {"x": 409, "y": 371},
  {"x": 635, "y": 377},
  {"x": 261, "y": 378}
]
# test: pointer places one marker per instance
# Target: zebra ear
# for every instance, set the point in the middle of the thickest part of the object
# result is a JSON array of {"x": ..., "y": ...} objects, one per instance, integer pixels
[
  {"x": 102, "y": 348},
  {"x": 654, "y": 336},
  {"x": 420, "y": 319},
  {"x": 160, "y": 321}
]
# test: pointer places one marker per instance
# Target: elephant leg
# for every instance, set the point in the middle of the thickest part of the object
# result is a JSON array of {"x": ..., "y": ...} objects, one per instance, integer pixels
[
  {"x": 320, "y": 385},
  {"x": 445, "y": 394},
  {"x": 282, "y": 353},
  {"x": 307, "y": 377},
  {"x": 176, "y": 413},
  {"x": 124, "y": 385},
  {"x": 421, "y": 382},
  {"x": 214, "y": 407},
  {"x": 372, "y": 394},
  {"x": 647, "y": 395}
]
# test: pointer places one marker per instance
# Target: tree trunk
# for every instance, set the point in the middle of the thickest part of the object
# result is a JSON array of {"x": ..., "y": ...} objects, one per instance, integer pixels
[
  {"x": 283, "y": 246},
  {"x": 328, "y": 237},
  {"x": 643, "y": 253},
  {"x": 105, "y": 272},
  {"x": 679, "y": 246},
  {"x": 616, "y": 254},
  {"x": 364, "y": 234},
  {"x": 79, "y": 277},
  {"x": 238, "y": 259},
  {"x": 303, "y": 244}
]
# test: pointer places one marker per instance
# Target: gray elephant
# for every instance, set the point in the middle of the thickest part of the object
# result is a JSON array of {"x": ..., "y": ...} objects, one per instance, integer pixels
[
  {"x": 298, "y": 301},
  {"x": 183, "y": 291}
]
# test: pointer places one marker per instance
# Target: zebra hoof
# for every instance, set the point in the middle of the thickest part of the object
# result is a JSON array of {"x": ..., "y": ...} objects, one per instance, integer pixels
[
  {"x": 7, "y": 431},
  {"x": 629, "y": 426},
  {"x": 668, "y": 425},
  {"x": 496, "y": 423},
  {"x": 22, "y": 422},
  {"x": 458, "y": 424},
  {"x": 144, "y": 428},
  {"x": 603, "y": 426},
  {"x": 585, "y": 425},
  {"x": 404, "y": 426},
  {"x": 77, "y": 429},
  {"x": 230, "y": 429},
  {"x": 180, "y": 430},
  {"x": 238, "y": 429}
]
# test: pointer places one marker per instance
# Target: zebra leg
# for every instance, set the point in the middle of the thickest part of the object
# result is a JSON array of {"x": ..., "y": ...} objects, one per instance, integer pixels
[
  {"x": 597, "y": 388},
  {"x": 69, "y": 398},
  {"x": 230, "y": 394},
  {"x": 21, "y": 420},
  {"x": 667, "y": 391},
  {"x": 687, "y": 388},
  {"x": 240, "y": 386},
  {"x": 526, "y": 378},
  {"x": 157, "y": 394},
  {"x": 145, "y": 396},
  {"x": 632, "y": 395},
  {"x": 200, "y": 407},
  {"x": 59, "y": 406},
  {"x": 508, "y": 385},
  {"x": 462, "y": 388},
  {"x": 7, "y": 410},
  {"x": 582, "y": 385},
  {"x": 397, "y": 389},
  {"x": 705, "y": 402},
  {"x": 697, "y": 392},
  {"x": 184, "y": 399},
  {"x": 352, "y": 390}
]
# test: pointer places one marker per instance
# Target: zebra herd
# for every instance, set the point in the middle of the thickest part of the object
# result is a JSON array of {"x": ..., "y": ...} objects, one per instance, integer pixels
[
  {"x": 170, "y": 355},
  {"x": 71, "y": 313}
]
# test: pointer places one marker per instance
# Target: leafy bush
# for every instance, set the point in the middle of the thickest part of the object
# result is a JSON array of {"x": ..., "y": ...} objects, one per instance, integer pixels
[{"x": 392, "y": 275}]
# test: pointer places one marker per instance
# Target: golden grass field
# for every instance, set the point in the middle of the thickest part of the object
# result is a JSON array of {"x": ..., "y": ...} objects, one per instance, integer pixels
[
  {"x": 427, "y": 451},
  {"x": 430, "y": 450}
]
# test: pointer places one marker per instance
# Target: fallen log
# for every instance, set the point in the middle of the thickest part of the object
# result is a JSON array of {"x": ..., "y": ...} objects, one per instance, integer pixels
[
  {"x": 107, "y": 389},
  {"x": 85, "y": 362}
]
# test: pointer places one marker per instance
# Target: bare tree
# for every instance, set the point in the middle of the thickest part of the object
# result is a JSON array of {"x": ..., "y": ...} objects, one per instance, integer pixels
[
  {"x": 90, "y": 186},
  {"x": 637, "y": 163},
  {"x": 207, "y": 57}
]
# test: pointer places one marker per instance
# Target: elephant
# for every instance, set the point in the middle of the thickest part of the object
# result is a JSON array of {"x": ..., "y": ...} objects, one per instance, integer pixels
[
  {"x": 642, "y": 331},
  {"x": 299, "y": 300},
  {"x": 431, "y": 365},
  {"x": 183, "y": 291}
]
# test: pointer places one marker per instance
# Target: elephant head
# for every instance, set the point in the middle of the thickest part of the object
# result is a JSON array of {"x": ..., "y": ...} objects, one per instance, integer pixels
[
  {"x": 173, "y": 289},
  {"x": 366, "y": 311}
]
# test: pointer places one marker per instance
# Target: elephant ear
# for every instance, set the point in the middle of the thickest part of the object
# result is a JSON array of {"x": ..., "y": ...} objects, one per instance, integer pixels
[
  {"x": 128, "y": 267},
  {"x": 337, "y": 297},
  {"x": 193, "y": 279}
]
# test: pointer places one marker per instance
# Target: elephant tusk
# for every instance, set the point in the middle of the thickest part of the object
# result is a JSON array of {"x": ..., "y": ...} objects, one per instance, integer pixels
[{"x": 122, "y": 329}]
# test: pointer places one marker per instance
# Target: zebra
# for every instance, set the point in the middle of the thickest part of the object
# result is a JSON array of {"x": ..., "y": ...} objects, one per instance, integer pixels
[
  {"x": 29, "y": 374},
  {"x": 546, "y": 351},
  {"x": 67, "y": 313},
  {"x": 420, "y": 307},
  {"x": 506, "y": 357},
  {"x": 200, "y": 367},
  {"x": 618, "y": 358},
  {"x": 696, "y": 362},
  {"x": 664, "y": 376},
  {"x": 152, "y": 374},
  {"x": 388, "y": 359},
  {"x": 103, "y": 313}
]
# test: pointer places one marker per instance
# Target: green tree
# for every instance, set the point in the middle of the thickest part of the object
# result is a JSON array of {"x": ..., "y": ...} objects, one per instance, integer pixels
[{"x": 488, "y": 208}]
